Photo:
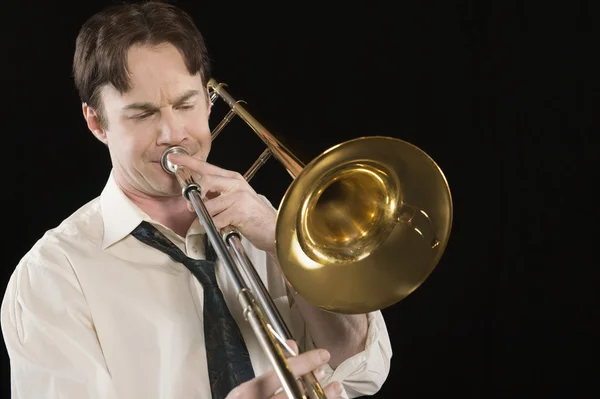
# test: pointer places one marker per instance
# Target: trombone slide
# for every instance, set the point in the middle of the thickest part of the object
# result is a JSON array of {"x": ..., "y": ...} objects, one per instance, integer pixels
[{"x": 262, "y": 315}]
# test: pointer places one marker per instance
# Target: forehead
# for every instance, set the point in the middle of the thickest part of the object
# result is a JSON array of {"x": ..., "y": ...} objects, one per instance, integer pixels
[{"x": 157, "y": 74}]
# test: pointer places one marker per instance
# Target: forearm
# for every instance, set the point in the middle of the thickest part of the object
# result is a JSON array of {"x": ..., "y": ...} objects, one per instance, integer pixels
[{"x": 342, "y": 335}]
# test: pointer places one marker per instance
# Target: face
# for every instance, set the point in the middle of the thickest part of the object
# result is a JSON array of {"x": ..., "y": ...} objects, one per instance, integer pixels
[{"x": 166, "y": 106}]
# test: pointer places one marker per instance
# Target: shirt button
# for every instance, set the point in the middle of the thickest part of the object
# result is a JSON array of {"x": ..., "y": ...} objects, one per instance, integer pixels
[{"x": 195, "y": 249}]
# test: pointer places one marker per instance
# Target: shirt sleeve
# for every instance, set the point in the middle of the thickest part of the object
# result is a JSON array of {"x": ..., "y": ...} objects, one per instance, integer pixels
[
  {"x": 365, "y": 372},
  {"x": 49, "y": 333}
]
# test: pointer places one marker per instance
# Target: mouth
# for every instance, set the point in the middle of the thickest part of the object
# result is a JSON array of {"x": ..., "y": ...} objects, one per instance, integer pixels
[
  {"x": 157, "y": 164},
  {"x": 192, "y": 154}
]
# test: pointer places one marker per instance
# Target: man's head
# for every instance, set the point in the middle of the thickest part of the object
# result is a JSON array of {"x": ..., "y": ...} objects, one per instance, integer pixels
[{"x": 141, "y": 72}]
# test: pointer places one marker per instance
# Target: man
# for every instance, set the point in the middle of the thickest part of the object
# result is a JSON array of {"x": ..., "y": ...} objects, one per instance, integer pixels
[{"x": 98, "y": 309}]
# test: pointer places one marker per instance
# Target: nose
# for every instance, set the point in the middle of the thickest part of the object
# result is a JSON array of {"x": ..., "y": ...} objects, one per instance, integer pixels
[{"x": 171, "y": 130}]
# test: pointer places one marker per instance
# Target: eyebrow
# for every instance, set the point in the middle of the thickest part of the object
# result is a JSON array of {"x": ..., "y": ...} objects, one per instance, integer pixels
[{"x": 149, "y": 106}]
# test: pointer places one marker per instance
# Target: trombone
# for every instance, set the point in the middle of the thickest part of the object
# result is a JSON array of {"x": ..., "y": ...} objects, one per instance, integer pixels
[{"x": 360, "y": 227}]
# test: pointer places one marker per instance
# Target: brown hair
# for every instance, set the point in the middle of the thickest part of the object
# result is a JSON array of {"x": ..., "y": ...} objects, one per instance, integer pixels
[{"x": 104, "y": 40}]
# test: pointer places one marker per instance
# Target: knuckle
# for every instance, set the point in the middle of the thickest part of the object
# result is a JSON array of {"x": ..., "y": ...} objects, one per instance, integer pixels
[
  {"x": 305, "y": 362},
  {"x": 219, "y": 221},
  {"x": 293, "y": 345},
  {"x": 237, "y": 176}
]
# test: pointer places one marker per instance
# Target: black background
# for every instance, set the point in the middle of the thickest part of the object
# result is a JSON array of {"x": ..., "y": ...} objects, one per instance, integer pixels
[{"x": 502, "y": 95}]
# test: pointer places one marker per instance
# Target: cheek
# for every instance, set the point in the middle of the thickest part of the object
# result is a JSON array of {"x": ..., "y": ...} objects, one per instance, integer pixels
[
  {"x": 198, "y": 127},
  {"x": 130, "y": 140}
]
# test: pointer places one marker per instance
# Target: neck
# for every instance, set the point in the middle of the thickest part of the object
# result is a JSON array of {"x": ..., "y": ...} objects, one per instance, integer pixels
[{"x": 170, "y": 211}]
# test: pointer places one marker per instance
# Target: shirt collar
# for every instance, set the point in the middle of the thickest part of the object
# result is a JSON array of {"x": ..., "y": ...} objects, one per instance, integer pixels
[{"x": 120, "y": 215}]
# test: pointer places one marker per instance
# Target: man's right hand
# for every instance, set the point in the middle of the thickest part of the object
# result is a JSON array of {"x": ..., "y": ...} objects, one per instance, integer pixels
[{"x": 266, "y": 385}]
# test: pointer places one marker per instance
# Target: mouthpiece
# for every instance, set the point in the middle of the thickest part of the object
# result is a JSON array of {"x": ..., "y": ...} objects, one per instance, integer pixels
[{"x": 168, "y": 166}]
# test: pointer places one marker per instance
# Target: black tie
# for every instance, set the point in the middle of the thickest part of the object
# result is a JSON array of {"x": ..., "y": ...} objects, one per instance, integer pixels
[{"x": 228, "y": 359}]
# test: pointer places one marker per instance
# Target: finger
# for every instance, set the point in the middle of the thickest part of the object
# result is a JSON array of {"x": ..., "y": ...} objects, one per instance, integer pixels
[
  {"x": 201, "y": 167},
  {"x": 228, "y": 217},
  {"x": 213, "y": 185},
  {"x": 220, "y": 203},
  {"x": 223, "y": 184},
  {"x": 215, "y": 202},
  {"x": 293, "y": 346},
  {"x": 331, "y": 391},
  {"x": 304, "y": 363},
  {"x": 232, "y": 209}
]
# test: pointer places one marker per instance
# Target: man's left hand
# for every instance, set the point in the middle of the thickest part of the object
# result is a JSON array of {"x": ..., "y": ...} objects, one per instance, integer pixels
[{"x": 231, "y": 201}]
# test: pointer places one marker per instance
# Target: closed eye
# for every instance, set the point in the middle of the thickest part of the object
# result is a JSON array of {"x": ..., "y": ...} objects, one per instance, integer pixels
[
  {"x": 142, "y": 116},
  {"x": 147, "y": 114},
  {"x": 186, "y": 106}
]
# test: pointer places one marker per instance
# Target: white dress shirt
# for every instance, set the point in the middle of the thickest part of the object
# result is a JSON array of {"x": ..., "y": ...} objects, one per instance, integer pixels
[{"x": 91, "y": 312}]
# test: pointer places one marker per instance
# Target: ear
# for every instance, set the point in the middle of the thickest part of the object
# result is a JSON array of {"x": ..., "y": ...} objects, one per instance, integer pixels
[
  {"x": 209, "y": 103},
  {"x": 93, "y": 123}
]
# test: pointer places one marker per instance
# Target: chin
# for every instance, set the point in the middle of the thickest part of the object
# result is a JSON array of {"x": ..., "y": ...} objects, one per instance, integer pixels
[
  {"x": 162, "y": 182},
  {"x": 169, "y": 187}
]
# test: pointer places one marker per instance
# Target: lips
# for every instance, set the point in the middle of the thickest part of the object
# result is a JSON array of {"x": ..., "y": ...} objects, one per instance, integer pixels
[{"x": 191, "y": 153}]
